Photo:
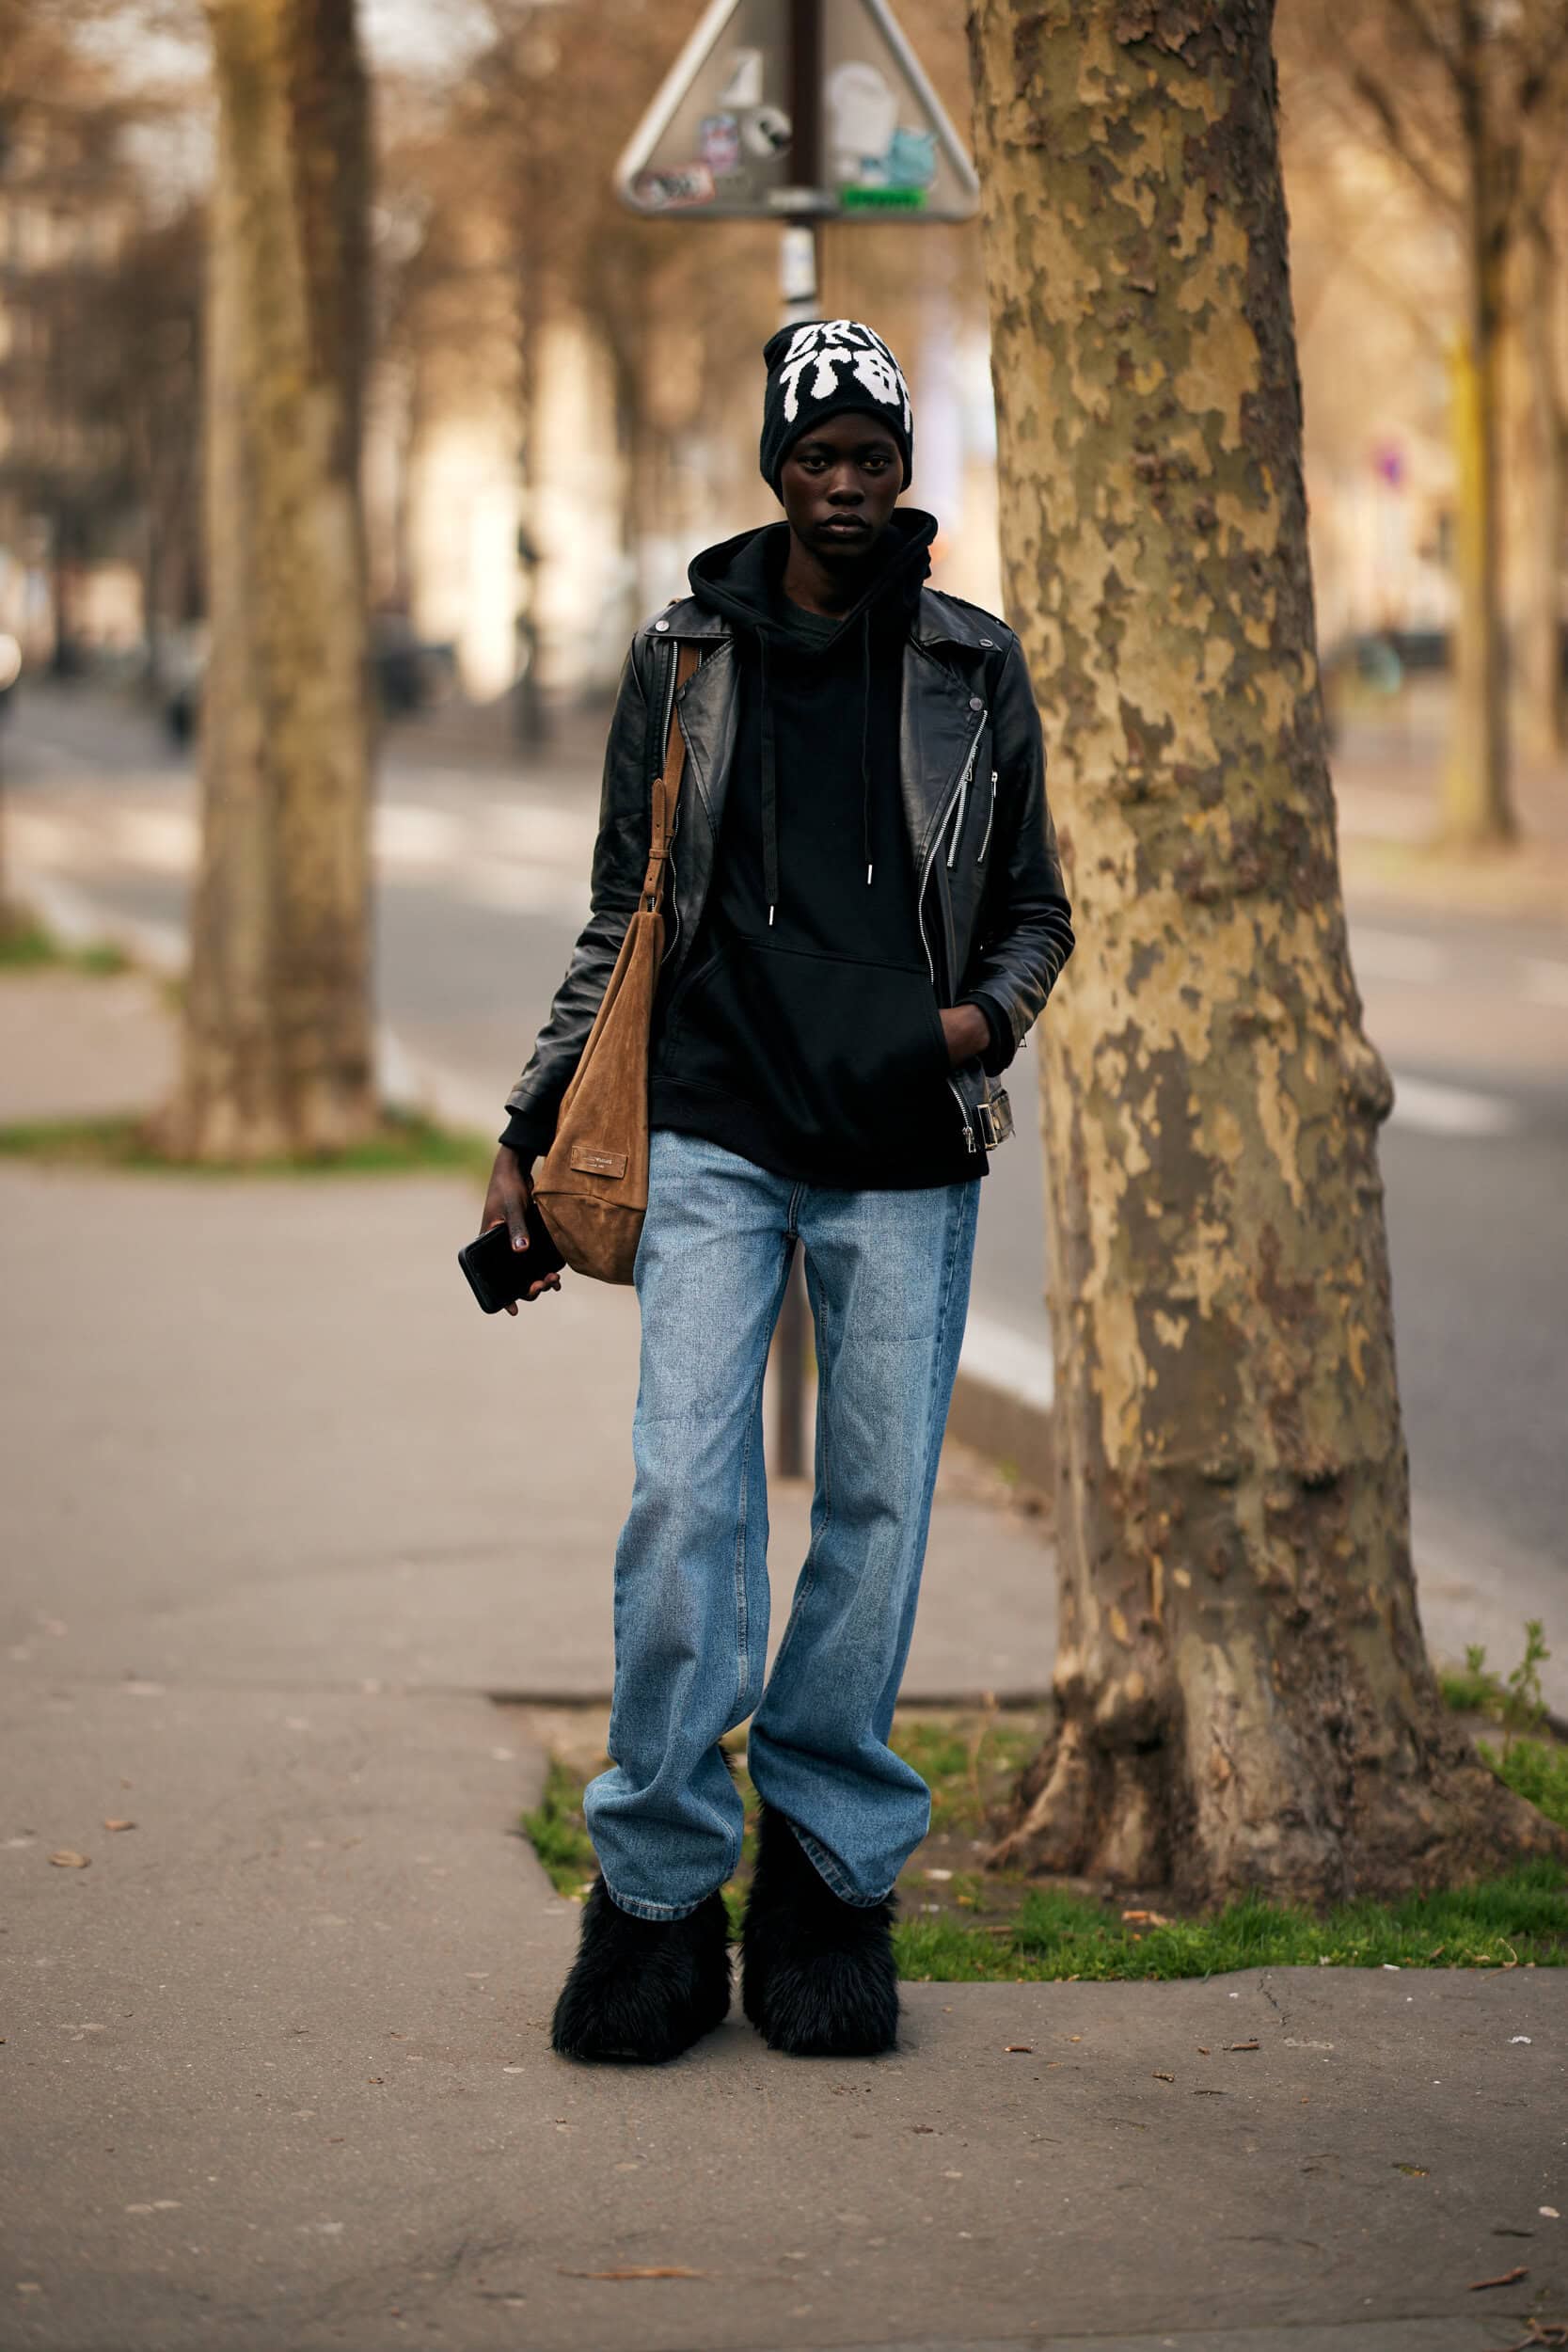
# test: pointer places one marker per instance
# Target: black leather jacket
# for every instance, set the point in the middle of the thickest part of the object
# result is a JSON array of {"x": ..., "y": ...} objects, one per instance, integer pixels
[{"x": 993, "y": 915}]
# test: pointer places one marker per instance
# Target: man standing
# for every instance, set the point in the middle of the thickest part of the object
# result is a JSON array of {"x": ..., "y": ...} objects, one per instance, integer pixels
[{"x": 864, "y": 917}]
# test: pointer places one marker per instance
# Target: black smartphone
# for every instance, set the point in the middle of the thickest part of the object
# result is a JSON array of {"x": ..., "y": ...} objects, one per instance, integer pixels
[{"x": 497, "y": 1274}]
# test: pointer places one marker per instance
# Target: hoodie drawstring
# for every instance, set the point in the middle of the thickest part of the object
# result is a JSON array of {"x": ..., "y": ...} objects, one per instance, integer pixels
[
  {"x": 771, "y": 769},
  {"x": 769, "y": 790},
  {"x": 865, "y": 741}
]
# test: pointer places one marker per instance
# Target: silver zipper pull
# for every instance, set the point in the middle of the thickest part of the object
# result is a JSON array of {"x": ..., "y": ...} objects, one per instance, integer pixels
[
  {"x": 990, "y": 819},
  {"x": 958, "y": 819}
]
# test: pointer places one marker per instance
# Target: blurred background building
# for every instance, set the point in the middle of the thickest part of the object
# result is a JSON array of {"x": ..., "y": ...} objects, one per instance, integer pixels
[{"x": 565, "y": 398}]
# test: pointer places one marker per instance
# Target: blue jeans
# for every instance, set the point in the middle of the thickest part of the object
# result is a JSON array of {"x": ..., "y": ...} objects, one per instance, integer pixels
[{"x": 887, "y": 1275}]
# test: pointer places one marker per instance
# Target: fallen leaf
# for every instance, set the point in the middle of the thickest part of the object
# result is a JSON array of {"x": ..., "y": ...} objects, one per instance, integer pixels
[
  {"x": 1509, "y": 2279},
  {"x": 1162, "y": 2078},
  {"x": 120, "y": 1824},
  {"x": 1413, "y": 2171},
  {"x": 1241, "y": 2046},
  {"x": 1202, "y": 2049},
  {"x": 1146, "y": 1918},
  {"x": 923, "y": 2127},
  {"x": 645, "y": 2270},
  {"x": 68, "y": 1860},
  {"x": 1024, "y": 2049}
]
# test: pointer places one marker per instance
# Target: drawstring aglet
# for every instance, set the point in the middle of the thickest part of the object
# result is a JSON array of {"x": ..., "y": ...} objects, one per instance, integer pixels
[
  {"x": 770, "y": 916},
  {"x": 868, "y": 877}
]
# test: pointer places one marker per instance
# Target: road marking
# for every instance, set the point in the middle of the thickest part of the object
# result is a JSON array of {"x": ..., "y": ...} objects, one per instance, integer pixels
[
  {"x": 71, "y": 914},
  {"x": 1396, "y": 956},
  {"x": 162, "y": 840},
  {"x": 1545, "y": 983},
  {"x": 1001, "y": 1358},
  {"x": 406, "y": 835},
  {"x": 525, "y": 889},
  {"x": 1432, "y": 1109}
]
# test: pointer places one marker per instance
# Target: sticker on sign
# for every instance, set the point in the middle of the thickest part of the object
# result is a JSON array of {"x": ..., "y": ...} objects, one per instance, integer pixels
[{"x": 673, "y": 186}]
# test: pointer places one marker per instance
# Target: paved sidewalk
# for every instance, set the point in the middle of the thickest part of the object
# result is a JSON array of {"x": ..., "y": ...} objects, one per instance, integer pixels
[{"x": 280, "y": 1512}]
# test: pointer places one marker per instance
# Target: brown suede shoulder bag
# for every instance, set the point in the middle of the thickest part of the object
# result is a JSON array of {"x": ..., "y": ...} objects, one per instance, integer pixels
[{"x": 591, "y": 1185}]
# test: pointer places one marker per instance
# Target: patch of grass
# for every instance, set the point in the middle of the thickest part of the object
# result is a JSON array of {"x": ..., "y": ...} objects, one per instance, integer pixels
[
  {"x": 1515, "y": 1702},
  {"x": 556, "y": 1831},
  {"x": 403, "y": 1144},
  {"x": 25, "y": 945},
  {"x": 1519, "y": 1919},
  {"x": 1469, "y": 1689},
  {"x": 968, "y": 1925},
  {"x": 1535, "y": 1769}
]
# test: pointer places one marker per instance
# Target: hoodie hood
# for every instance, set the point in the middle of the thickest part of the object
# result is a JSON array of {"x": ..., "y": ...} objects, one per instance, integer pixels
[{"x": 741, "y": 580}]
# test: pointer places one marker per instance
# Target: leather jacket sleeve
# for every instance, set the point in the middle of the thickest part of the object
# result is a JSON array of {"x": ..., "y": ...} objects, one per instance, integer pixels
[
  {"x": 1026, "y": 931},
  {"x": 620, "y": 861}
]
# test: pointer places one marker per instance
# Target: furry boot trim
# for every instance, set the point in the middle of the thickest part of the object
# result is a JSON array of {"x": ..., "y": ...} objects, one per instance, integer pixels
[
  {"x": 818, "y": 1976},
  {"x": 641, "y": 1990}
]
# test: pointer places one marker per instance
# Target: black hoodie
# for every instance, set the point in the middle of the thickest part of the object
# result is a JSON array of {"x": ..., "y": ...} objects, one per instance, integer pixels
[{"x": 804, "y": 1032}]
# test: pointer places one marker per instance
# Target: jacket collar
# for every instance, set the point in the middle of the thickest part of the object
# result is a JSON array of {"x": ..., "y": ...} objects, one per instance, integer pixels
[{"x": 939, "y": 621}]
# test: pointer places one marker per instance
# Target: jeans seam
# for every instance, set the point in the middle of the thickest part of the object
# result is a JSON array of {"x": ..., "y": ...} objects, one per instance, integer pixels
[
  {"x": 660, "y": 1912},
  {"x": 823, "y": 1468},
  {"x": 828, "y": 1870},
  {"x": 742, "y": 1614},
  {"x": 964, "y": 1203}
]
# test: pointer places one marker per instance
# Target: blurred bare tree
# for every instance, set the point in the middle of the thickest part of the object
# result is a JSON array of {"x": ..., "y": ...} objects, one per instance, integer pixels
[
  {"x": 1243, "y": 1699},
  {"x": 277, "y": 1034},
  {"x": 1470, "y": 97},
  {"x": 1541, "y": 308},
  {"x": 100, "y": 289}
]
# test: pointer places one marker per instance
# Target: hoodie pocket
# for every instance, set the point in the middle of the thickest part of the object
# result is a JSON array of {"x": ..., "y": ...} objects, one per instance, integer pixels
[{"x": 841, "y": 1057}]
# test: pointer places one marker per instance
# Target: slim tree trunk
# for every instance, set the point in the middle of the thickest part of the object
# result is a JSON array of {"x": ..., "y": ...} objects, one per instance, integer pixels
[
  {"x": 1542, "y": 702},
  {"x": 1477, "y": 807},
  {"x": 277, "y": 1026},
  {"x": 1243, "y": 1699}
]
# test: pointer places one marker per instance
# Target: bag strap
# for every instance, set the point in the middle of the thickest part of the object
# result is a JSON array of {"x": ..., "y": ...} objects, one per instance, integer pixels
[{"x": 667, "y": 784}]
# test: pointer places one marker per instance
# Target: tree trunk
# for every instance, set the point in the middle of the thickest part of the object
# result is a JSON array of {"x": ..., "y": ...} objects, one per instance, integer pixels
[
  {"x": 1542, "y": 702},
  {"x": 1476, "y": 809},
  {"x": 1243, "y": 1699},
  {"x": 278, "y": 1054}
]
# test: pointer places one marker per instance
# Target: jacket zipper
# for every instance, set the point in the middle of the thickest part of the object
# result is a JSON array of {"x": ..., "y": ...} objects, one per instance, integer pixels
[
  {"x": 669, "y": 895},
  {"x": 990, "y": 819},
  {"x": 937, "y": 831},
  {"x": 963, "y": 797}
]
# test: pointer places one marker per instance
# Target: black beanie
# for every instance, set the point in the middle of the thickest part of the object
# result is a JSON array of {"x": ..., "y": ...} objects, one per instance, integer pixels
[{"x": 818, "y": 371}]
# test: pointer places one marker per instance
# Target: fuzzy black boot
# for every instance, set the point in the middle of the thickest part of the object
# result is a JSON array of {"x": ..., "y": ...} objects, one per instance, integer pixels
[
  {"x": 641, "y": 1990},
  {"x": 818, "y": 1978}
]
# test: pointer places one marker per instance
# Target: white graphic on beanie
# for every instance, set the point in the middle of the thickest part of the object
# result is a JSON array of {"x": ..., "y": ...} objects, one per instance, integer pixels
[{"x": 830, "y": 344}]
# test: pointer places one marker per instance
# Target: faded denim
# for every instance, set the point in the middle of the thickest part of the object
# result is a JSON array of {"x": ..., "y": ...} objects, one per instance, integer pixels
[{"x": 887, "y": 1275}]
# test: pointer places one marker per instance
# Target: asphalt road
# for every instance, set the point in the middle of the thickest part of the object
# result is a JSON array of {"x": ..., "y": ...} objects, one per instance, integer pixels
[{"x": 481, "y": 884}]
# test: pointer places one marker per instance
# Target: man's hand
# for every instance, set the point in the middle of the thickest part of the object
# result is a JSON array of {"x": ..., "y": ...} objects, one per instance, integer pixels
[
  {"x": 506, "y": 1202},
  {"x": 967, "y": 1031}
]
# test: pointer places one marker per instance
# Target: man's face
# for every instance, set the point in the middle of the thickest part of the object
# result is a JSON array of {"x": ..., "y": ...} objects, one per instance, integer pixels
[{"x": 839, "y": 484}]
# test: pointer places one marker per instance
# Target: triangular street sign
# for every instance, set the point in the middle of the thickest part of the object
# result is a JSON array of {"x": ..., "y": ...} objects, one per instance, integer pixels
[{"x": 718, "y": 143}]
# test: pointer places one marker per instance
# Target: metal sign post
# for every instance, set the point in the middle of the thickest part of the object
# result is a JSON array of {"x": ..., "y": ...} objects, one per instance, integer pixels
[{"x": 799, "y": 111}]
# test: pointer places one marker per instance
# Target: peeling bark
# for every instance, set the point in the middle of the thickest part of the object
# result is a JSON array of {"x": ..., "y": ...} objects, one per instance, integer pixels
[
  {"x": 1243, "y": 1696},
  {"x": 277, "y": 1047}
]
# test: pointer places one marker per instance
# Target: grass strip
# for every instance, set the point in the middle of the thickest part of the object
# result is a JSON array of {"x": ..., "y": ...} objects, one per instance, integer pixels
[
  {"x": 25, "y": 945},
  {"x": 403, "y": 1144},
  {"x": 1046, "y": 1933}
]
